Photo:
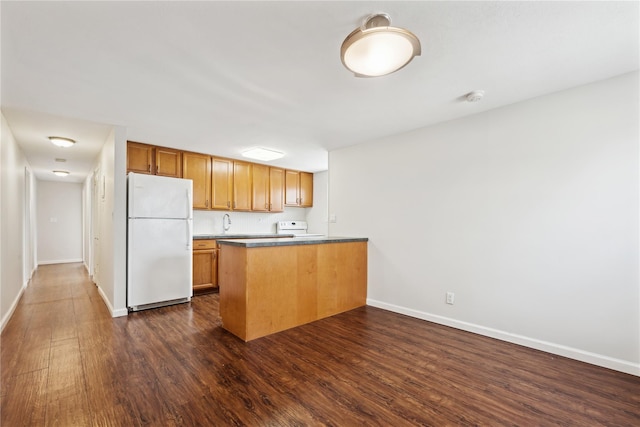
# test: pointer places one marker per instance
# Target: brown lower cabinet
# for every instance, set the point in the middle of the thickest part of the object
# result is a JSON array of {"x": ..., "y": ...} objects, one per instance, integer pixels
[{"x": 205, "y": 265}]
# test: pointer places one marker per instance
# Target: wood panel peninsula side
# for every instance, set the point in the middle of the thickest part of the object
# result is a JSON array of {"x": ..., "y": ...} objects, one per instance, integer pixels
[{"x": 269, "y": 285}]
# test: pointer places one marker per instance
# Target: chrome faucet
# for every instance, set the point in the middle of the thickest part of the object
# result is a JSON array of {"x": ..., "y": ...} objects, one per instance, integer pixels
[{"x": 226, "y": 222}]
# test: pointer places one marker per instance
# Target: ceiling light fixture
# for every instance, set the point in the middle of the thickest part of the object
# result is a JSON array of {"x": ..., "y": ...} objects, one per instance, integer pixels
[
  {"x": 376, "y": 49},
  {"x": 61, "y": 142},
  {"x": 61, "y": 173},
  {"x": 263, "y": 154}
]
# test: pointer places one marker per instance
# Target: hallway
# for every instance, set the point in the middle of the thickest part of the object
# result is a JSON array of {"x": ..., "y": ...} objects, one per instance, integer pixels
[{"x": 66, "y": 362}]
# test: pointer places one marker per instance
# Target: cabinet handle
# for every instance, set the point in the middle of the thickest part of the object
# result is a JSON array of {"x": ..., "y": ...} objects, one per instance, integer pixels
[
  {"x": 149, "y": 168},
  {"x": 157, "y": 169},
  {"x": 234, "y": 205}
]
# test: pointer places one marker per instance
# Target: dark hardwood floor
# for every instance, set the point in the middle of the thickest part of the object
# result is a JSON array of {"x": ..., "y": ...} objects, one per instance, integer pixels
[{"x": 66, "y": 362}]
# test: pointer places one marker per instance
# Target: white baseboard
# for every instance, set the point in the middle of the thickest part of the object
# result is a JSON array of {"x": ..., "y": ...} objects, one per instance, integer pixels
[
  {"x": 60, "y": 261},
  {"x": 114, "y": 313},
  {"x": 7, "y": 316},
  {"x": 120, "y": 312},
  {"x": 560, "y": 350}
]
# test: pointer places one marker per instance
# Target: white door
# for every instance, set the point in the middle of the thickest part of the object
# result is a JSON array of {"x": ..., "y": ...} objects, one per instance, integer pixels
[{"x": 159, "y": 261}]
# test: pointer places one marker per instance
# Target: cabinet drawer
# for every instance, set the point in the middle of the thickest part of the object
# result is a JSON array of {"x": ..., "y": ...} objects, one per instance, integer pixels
[{"x": 204, "y": 244}]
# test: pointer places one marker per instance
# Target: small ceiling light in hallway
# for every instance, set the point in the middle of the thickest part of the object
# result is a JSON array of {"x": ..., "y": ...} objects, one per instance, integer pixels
[
  {"x": 61, "y": 173},
  {"x": 61, "y": 142},
  {"x": 376, "y": 49}
]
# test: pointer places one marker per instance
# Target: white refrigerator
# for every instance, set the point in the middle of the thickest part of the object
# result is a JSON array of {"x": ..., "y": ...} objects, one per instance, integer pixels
[{"x": 159, "y": 241}]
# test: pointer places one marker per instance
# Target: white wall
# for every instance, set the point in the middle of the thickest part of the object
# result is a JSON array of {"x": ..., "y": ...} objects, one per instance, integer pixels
[
  {"x": 110, "y": 228},
  {"x": 30, "y": 224},
  {"x": 12, "y": 207},
  {"x": 317, "y": 217},
  {"x": 529, "y": 213},
  {"x": 59, "y": 222}
]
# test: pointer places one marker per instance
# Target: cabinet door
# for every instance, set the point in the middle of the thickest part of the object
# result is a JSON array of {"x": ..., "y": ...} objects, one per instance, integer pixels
[
  {"x": 241, "y": 186},
  {"x": 291, "y": 187},
  {"x": 306, "y": 189},
  {"x": 222, "y": 184},
  {"x": 214, "y": 267},
  {"x": 260, "y": 188},
  {"x": 197, "y": 167},
  {"x": 276, "y": 189},
  {"x": 203, "y": 261},
  {"x": 168, "y": 162},
  {"x": 139, "y": 158}
]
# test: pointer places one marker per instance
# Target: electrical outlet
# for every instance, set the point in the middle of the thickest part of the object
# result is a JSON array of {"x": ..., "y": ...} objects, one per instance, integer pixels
[{"x": 450, "y": 297}]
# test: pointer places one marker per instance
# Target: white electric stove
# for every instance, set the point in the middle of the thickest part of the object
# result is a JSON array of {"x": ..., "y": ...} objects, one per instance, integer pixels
[{"x": 297, "y": 228}]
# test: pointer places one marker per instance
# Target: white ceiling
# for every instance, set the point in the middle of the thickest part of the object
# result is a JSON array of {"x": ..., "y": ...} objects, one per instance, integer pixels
[{"x": 220, "y": 77}]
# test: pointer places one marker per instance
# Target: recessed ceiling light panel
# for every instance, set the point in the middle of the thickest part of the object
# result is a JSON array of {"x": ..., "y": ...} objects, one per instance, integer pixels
[
  {"x": 61, "y": 142},
  {"x": 264, "y": 154}
]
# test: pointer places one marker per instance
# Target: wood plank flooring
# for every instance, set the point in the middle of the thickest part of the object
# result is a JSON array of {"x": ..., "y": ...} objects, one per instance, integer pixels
[{"x": 65, "y": 362}]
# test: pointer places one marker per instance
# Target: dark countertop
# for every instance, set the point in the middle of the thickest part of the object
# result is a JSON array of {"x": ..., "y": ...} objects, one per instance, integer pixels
[
  {"x": 258, "y": 243},
  {"x": 240, "y": 236}
]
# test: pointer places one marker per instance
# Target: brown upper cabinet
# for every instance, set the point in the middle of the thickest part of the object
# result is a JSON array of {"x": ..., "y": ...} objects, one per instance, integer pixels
[
  {"x": 267, "y": 189},
  {"x": 168, "y": 162},
  {"x": 276, "y": 189},
  {"x": 241, "y": 186},
  {"x": 298, "y": 189},
  {"x": 152, "y": 160},
  {"x": 260, "y": 188},
  {"x": 197, "y": 167},
  {"x": 291, "y": 188},
  {"x": 225, "y": 184},
  {"x": 306, "y": 190},
  {"x": 140, "y": 158},
  {"x": 222, "y": 184}
]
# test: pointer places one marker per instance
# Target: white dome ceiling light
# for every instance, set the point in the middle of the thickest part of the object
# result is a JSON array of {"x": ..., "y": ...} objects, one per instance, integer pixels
[
  {"x": 376, "y": 49},
  {"x": 61, "y": 142}
]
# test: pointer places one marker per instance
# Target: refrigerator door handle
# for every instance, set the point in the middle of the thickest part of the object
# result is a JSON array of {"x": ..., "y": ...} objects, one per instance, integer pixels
[
  {"x": 189, "y": 204},
  {"x": 189, "y": 234}
]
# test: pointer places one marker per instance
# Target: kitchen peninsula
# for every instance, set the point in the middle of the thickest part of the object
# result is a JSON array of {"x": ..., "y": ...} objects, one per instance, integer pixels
[
  {"x": 269, "y": 285},
  {"x": 205, "y": 258}
]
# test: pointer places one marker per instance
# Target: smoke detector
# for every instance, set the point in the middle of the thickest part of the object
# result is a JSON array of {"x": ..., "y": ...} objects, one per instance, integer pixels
[{"x": 475, "y": 96}]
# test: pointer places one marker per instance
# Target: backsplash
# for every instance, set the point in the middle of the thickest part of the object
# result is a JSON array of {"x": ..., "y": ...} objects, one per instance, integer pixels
[{"x": 210, "y": 222}]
